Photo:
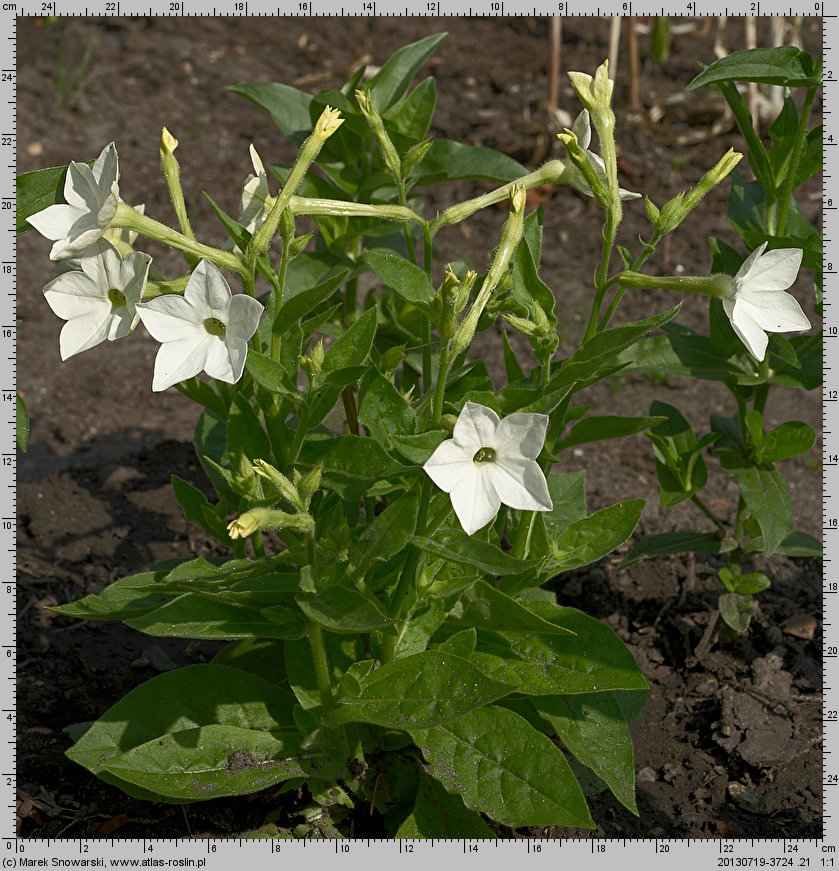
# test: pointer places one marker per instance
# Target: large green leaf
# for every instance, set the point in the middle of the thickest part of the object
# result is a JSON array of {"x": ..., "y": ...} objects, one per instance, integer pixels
[
  {"x": 287, "y": 106},
  {"x": 568, "y": 494},
  {"x": 500, "y": 765},
  {"x": 350, "y": 457},
  {"x": 595, "y": 730},
  {"x": 352, "y": 348},
  {"x": 457, "y": 546},
  {"x": 127, "y": 597},
  {"x": 593, "y": 660},
  {"x": 297, "y": 306},
  {"x": 392, "y": 81},
  {"x": 600, "y": 428},
  {"x": 453, "y": 161},
  {"x": 344, "y": 610},
  {"x": 199, "y": 732},
  {"x": 403, "y": 277},
  {"x": 784, "y": 65},
  {"x": 411, "y": 116},
  {"x": 666, "y": 543},
  {"x": 417, "y": 692},
  {"x": 439, "y": 814},
  {"x": 383, "y": 409},
  {"x": 485, "y": 607},
  {"x": 766, "y": 495},
  {"x": 387, "y": 535}
]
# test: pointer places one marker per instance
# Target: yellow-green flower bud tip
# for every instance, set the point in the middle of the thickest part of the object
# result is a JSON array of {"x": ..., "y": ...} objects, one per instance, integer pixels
[
  {"x": 168, "y": 143},
  {"x": 447, "y": 422},
  {"x": 282, "y": 484},
  {"x": 392, "y": 358},
  {"x": 330, "y": 120},
  {"x": 594, "y": 92},
  {"x": 310, "y": 483},
  {"x": 518, "y": 198},
  {"x": 265, "y": 518}
]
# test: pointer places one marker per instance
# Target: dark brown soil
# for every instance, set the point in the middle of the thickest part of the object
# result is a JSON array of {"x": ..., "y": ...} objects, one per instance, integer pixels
[{"x": 730, "y": 743}]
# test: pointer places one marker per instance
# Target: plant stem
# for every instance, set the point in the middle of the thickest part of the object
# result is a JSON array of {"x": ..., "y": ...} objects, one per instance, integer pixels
[
  {"x": 785, "y": 197},
  {"x": 258, "y": 544},
  {"x": 426, "y": 323},
  {"x": 409, "y": 243},
  {"x": 708, "y": 513},
  {"x": 129, "y": 219},
  {"x": 609, "y": 232},
  {"x": 279, "y": 289},
  {"x": 649, "y": 248},
  {"x": 320, "y": 662},
  {"x": 440, "y": 387}
]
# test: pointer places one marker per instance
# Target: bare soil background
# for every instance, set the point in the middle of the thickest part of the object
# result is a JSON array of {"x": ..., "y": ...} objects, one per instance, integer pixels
[{"x": 729, "y": 745}]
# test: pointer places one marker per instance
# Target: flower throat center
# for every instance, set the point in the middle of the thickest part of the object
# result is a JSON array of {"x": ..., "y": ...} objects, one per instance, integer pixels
[
  {"x": 116, "y": 298},
  {"x": 484, "y": 455},
  {"x": 215, "y": 327}
]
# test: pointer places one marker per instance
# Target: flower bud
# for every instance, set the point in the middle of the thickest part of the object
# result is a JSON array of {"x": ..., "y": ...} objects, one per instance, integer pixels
[
  {"x": 718, "y": 285},
  {"x": 310, "y": 484},
  {"x": 312, "y": 363},
  {"x": 386, "y": 146},
  {"x": 447, "y": 422},
  {"x": 448, "y": 305},
  {"x": 593, "y": 179},
  {"x": 392, "y": 358},
  {"x": 266, "y": 518},
  {"x": 595, "y": 93},
  {"x": 653, "y": 212},
  {"x": 674, "y": 212},
  {"x": 415, "y": 155},
  {"x": 280, "y": 482},
  {"x": 172, "y": 173},
  {"x": 330, "y": 120}
]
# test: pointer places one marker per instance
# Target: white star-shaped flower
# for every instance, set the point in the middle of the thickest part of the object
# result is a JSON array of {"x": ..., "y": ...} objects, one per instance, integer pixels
[
  {"x": 489, "y": 461},
  {"x": 92, "y": 196},
  {"x": 100, "y": 301},
  {"x": 256, "y": 195},
  {"x": 207, "y": 329},
  {"x": 581, "y": 128},
  {"x": 758, "y": 302}
]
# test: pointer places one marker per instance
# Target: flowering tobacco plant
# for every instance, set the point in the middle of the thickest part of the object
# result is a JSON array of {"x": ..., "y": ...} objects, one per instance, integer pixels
[
  {"x": 750, "y": 309},
  {"x": 386, "y": 518}
]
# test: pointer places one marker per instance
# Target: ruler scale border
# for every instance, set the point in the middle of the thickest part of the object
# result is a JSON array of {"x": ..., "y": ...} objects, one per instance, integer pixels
[{"x": 811, "y": 854}]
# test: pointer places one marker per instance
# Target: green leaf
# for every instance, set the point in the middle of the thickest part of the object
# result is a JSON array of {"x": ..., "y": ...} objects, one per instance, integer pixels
[
  {"x": 678, "y": 456},
  {"x": 585, "y": 541},
  {"x": 241, "y": 237},
  {"x": 125, "y": 598},
  {"x": 417, "y": 692},
  {"x": 418, "y": 448},
  {"x": 262, "y": 657},
  {"x": 295, "y": 307},
  {"x": 210, "y": 444},
  {"x": 411, "y": 116},
  {"x": 595, "y": 730},
  {"x": 350, "y": 457},
  {"x": 568, "y": 494},
  {"x": 392, "y": 81},
  {"x": 453, "y": 161},
  {"x": 270, "y": 374},
  {"x": 389, "y": 534},
  {"x": 512, "y": 367},
  {"x": 403, "y": 277},
  {"x": 354, "y": 346},
  {"x": 342, "y": 651},
  {"x": 21, "y": 423},
  {"x": 766, "y": 495},
  {"x": 383, "y": 409},
  {"x": 36, "y": 191},
  {"x": 199, "y": 732},
  {"x": 439, "y": 814},
  {"x": 736, "y": 610},
  {"x": 784, "y": 65},
  {"x": 593, "y": 660},
  {"x": 245, "y": 433},
  {"x": 344, "y": 610},
  {"x": 665, "y": 543},
  {"x": 287, "y": 106},
  {"x": 600, "y": 428},
  {"x": 457, "y": 546},
  {"x": 501, "y": 766},
  {"x": 485, "y": 607},
  {"x": 790, "y": 439},
  {"x": 199, "y": 511},
  {"x": 801, "y": 545}
]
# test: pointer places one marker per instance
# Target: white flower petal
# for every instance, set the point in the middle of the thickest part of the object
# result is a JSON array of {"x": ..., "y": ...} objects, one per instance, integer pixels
[
  {"x": 208, "y": 292},
  {"x": 106, "y": 169},
  {"x": 53, "y": 222},
  {"x": 774, "y": 270},
  {"x": 243, "y": 315},
  {"x": 449, "y": 465},
  {"x": 475, "y": 501},
  {"x": 520, "y": 484},
  {"x": 180, "y": 359},
  {"x": 747, "y": 329},
  {"x": 81, "y": 189},
  {"x": 774, "y": 311},
  {"x": 475, "y": 427},
  {"x": 170, "y": 317},
  {"x": 521, "y": 435},
  {"x": 84, "y": 332},
  {"x": 226, "y": 359},
  {"x": 581, "y": 128}
]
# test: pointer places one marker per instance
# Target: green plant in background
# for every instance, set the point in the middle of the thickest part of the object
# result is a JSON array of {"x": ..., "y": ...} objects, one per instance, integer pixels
[
  {"x": 765, "y": 215},
  {"x": 391, "y": 514}
]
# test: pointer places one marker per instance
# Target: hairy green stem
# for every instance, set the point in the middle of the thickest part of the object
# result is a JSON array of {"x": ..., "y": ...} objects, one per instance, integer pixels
[
  {"x": 785, "y": 197},
  {"x": 320, "y": 662}
]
